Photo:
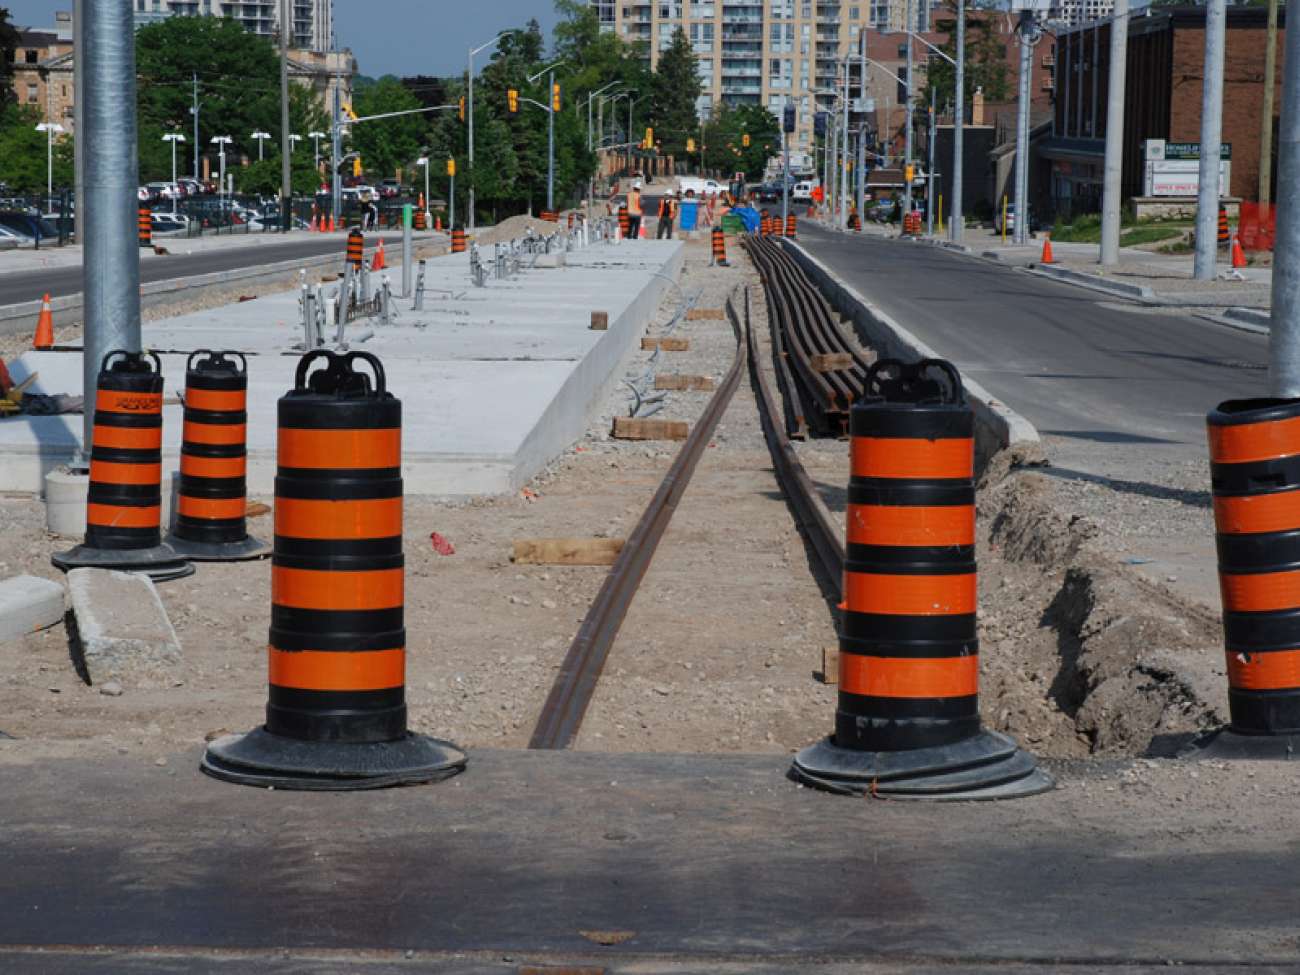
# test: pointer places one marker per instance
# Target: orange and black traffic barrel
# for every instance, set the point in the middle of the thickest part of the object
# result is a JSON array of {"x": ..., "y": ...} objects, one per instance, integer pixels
[
  {"x": 907, "y": 720},
  {"x": 458, "y": 240},
  {"x": 419, "y": 219},
  {"x": 144, "y": 224},
  {"x": 791, "y": 224},
  {"x": 1225, "y": 236},
  {"x": 777, "y": 227},
  {"x": 1255, "y": 476},
  {"x": 212, "y": 496},
  {"x": 765, "y": 224},
  {"x": 624, "y": 222},
  {"x": 124, "y": 499},
  {"x": 719, "y": 247},
  {"x": 550, "y": 216},
  {"x": 356, "y": 248},
  {"x": 336, "y": 711}
]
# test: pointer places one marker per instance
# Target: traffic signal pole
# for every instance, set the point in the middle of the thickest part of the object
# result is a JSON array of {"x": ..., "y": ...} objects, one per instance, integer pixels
[
  {"x": 957, "y": 225},
  {"x": 550, "y": 146},
  {"x": 907, "y": 112},
  {"x": 1207, "y": 196},
  {"x": 1284, "y": 337}
]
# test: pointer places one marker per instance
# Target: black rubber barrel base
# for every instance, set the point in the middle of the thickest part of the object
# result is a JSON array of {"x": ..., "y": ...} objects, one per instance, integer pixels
[
  {"x": 262, "y": 759},
  {"x": 987, "y": 766},
  {"x": 247, "y": 548},
  {"x": 158, "y": 562},
  {"x": 1228, "y": 744}
]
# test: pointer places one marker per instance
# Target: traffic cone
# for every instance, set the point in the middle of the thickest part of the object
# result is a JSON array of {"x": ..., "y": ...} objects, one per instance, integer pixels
[
  {"x": 437, "y": 223},
  {"x": 1238, "y": 255},
  {"x": 44, "y": 338},
  {"x": 641, "y": 231},
  {"x": 331, "y": 226},
  {"x": 1047, "y": 257},
  {"x": 377, "y": 264}
]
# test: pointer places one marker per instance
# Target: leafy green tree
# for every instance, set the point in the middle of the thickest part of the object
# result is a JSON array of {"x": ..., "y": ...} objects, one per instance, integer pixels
[
  {"x": 390, "y": 143},
  {"x": 8, "y": 44},
  {"x": 724, "y": 135},
  {"x": 673, "y": 93},
  {"x": 987, "y": 65},
  {"x": 22, "y": 152}
]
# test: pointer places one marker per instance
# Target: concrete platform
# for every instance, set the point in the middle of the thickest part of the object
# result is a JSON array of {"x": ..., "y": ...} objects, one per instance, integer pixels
[
  {"x": 632, "y": 863},
  {"x": 495, "y": 381}
]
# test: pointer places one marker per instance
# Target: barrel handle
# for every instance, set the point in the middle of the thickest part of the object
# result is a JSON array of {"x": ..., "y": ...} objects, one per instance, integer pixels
[
  {"x": 339, "y": 364},
  {"x": 951, "y": 392},
  {"x": 216, "y": 357},
  {"x": 157, "y": 362}
]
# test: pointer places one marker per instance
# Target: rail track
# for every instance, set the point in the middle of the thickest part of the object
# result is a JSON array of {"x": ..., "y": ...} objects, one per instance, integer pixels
[
  {"x": 820, "y": 371},
  {"x": 571, "y": 693}
]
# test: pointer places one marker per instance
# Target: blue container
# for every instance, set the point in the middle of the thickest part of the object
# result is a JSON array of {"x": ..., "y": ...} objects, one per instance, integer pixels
[{"x": 689, "y": 211}]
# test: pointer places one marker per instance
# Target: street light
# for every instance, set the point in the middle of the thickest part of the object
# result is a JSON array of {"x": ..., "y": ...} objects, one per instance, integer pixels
[
  {"x": 551, "y": 107},
  {"x": 424, "y": 161},
  {"x": 221, "y": 141},
  {"x": 294, "y": 139},
  {"x": 173, "y": 138},
  {"x": 50, "y": 129},
  {"x": 591, "y": 183},
  {"x": 469, "y": 85},
  {"x": 316, "y": 137},
  {"x": 261, "y": 138}
]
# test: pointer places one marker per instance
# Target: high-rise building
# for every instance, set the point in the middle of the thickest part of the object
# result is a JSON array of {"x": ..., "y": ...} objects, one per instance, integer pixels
[
  {"x": 763, "y": 52},
  {"x": 313, "y": 20},
  {"x": 1074, "y": 13}
]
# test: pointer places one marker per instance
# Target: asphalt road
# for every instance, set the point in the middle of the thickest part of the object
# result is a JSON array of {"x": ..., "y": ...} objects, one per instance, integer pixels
[
  {"x": 1077, "y": 364},
  {"x": 21, "y": 286}
]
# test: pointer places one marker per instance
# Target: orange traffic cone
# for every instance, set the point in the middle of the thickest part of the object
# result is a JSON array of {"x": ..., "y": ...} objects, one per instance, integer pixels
[
  {"x": 1047, "y": 257},
  {"x": 377, "y": 262},
  {"x": 44, "y": 338},
  {"x": 437, "y": 223},
  {"x": 641, "y": 231},
  {"x": 1238, "y": 255}
]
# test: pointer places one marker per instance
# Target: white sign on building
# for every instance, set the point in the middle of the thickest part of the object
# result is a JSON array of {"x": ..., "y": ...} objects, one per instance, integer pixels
[{"x": 1173, "y": 168}]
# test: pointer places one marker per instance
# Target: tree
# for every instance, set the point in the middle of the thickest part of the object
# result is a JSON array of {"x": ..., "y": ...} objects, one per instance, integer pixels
[
  {"x": 724, "y": 139},
  {"x": 390, "y": 143},
  {"x": 22, "y": 151},
  {"x": 8, "y": 45},
  {"x": 986, "y": 62},
  {"x": 673, "y": 94}
]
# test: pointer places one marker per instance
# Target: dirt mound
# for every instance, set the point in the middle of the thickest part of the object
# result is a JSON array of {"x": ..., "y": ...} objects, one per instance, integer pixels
[{"x": 517, "y": 226}]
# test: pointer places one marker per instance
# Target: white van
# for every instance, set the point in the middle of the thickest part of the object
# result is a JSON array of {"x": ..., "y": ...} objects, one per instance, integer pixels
[{"x": 803, "y": 190}]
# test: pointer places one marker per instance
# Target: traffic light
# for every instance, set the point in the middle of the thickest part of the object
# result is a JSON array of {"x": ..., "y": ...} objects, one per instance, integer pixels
[
  {"x": 690, "y": 145},
  {"x": 347, "y": 110},
  {"x": 909, "y": 172},
  {"x": 789, "y": 120},
  {"x": 451, "y": 167},
  {"x": 512, "y": 100},
  {"x": 649, "y": 138},
  {"x": 744, "y": 140},
  {"x": 902, "y": 84},
  {"x": 356, "y": 166},
  {"x": 462, "y": 108},
  {"x": 819, "y": 124},
  {"x": 555, "y": 96}
]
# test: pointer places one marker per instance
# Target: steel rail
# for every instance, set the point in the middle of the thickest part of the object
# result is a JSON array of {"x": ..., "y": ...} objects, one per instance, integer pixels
[{"x": 570, "y": 695}]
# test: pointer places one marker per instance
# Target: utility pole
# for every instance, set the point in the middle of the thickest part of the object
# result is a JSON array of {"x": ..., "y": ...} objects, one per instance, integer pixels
[
  {"x": 79, "y": 117},
  {"x": 1284, "y": 337},
  {"x": 862, "y": 168},
  {"x": 336, "y": 149},
  {"x": 957, "y": 226},
  {"x": 111, "y": 269},
  {"x": 907, "y": 114},
  {"x": 929, "y": 165},
  {"x": 1265, "y": 193},
  {"x": 194, "y": 110},
  {"x": 550, "y": 142},
  {"x": 1207, "y": 196},
  {"x": 1028, "y": 31},
  {"x": 1113, "y": 168},
  {"x": 286, "y": 171},
  {"x": 844, "y": 155}
]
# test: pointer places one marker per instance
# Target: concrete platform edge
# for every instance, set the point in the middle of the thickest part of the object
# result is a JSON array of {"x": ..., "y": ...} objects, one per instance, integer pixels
[{"x": 1138, "y": 291}]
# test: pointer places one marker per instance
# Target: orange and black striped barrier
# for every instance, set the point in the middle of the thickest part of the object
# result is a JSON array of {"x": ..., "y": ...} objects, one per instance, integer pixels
[
  {"x": 356, "y": 248},
  {"x": 336, "y": 709},
  {"x": 124, "y": 501},
  {"x": 907, "y": 721},
  {"x": 791, "y": 224},
  {"x": 1225, "y": 236},
  {"x": 550, "y": 216},
  {"x": 419, "y": 219},
  {"x": 212, "y": 498},
  {"x": 719, "y": 247},
  {"x": 624, "y": 222},
  {"x": 458, "y": 240},
  {"x": 778, "y": 227},
  {"x": 765, "y": 224},
  {"x": 1255, "y": 476},
  {"x": 144, "y": 225}
]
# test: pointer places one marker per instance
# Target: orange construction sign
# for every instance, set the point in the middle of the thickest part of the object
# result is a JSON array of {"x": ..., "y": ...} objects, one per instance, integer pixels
[{"x": 818, "y": 194}]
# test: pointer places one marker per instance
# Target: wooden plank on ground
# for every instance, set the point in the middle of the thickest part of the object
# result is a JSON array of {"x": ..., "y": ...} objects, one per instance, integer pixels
[
  {"x": 704, "y": 314},
  {"x": 830, "y": 361},
  {"x": 636, "y": 428},
  {"x": 665, "y": 344},
  {"x": 830, "y": 665},
  {"x": 567, "y": 551},
  {"x": 600, "y": 321},
  {"x": 680, "y": 381}
]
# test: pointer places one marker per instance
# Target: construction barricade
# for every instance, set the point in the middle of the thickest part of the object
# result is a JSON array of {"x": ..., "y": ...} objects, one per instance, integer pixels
[
  {"x": 719, "y": 241},
  {"x": 356, "y": 248},
  {"x": 144, "y": 226},
  {"x": 336, "y": 708},
  {"x": 458, "y": 240},
  {"x": 907, "y": 723}
]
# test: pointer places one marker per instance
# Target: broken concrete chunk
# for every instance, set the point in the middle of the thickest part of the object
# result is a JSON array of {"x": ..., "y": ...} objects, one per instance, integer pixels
[
  {"x": 121, "y": 630},
  {"x": 28, "y": 604}
]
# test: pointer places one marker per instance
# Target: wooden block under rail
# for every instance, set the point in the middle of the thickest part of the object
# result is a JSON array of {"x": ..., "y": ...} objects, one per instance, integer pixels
[
  {"x": 665, "y": 344},
  {"x": 704, "y": 314},
  {"x": 634, "y": 428},
  {"x": 599, "y": 321},
  {"x": 831, "y": 361},
  {"x": 683, "y": 382},
  {"x": 567, "y": 551},
  {"x": 830, "y": 665}
]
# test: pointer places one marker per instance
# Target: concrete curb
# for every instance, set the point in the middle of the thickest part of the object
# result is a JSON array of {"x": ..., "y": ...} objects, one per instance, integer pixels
[
  {"x": 1118, "y": 288},
  {"x": 997, "y": 425},
  {"x": 1253, "y": 320}
]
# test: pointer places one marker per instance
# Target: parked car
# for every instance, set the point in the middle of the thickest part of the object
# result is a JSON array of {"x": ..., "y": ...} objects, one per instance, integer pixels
[
  {"x": 164, "y": 191},
  {"x": 1033, "y": 223},
  {"x": 390, "y": 188},
  {"x": 360, "y": 192},
  {"x": 29, "y": 225},
  {"x": 699, "y": 184},
  {"x": 169, "y": 224},
  {"x": 803, "y": 190}
]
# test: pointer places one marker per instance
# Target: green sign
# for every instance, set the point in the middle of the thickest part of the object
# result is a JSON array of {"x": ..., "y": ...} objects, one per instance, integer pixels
[
  {"x": 1192, "y": 150},
  {"x": 407, "y": 210}
]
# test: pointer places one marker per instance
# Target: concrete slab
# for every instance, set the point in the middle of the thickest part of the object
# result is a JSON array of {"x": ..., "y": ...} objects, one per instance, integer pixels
[
  {"x": 645, "y": 863},
  {"x": 28, "y": 604},
  {"x": 122, "y": 631},
  {"x": 495, "y": 381}
]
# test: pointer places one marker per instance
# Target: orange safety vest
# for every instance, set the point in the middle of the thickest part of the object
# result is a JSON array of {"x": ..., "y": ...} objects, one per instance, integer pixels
[
  {"x": 666, "y": 208},
  {"x": 634, "y": 203}
]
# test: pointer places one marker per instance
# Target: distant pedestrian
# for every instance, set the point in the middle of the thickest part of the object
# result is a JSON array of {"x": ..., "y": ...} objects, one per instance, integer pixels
[
  {"x": 667, "y": 212},
  {"x": 634, "y": 211}
]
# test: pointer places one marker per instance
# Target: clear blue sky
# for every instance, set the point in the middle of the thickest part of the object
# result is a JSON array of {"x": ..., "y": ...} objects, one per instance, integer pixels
[{"x": 388, "y": 36}]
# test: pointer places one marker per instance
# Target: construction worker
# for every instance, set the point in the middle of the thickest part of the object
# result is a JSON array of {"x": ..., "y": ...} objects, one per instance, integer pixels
[
  {"x": 634, "y": 211},
  {"x": 667, "y": 212}
]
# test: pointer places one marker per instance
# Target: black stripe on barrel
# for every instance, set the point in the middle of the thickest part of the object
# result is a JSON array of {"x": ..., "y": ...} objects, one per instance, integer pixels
[
  {"x": 337, "y": 640},
  {"x": 355, "y": 248},
  {"x": 909, "y": 665},
  {"x": 1255, "y": 476},
  {"x": 458, "y": 240},
  {"x": 212, "y": 492}
]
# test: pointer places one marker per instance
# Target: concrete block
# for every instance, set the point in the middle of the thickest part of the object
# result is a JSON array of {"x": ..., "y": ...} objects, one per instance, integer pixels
[
  {"x": 121, "y": 630},
  {"x": 28, "y": 604},
  {"x": 551, "y": 260}
]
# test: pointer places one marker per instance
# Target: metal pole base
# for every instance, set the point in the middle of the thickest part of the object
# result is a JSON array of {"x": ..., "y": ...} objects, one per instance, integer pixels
[
  {"x": 247, "y": 548},
  {"x": 159, "y": 563},
  {"x": 988, "y": 766},
  {"x": 1228, "y": 744},
  {"x": 262, "y": 759}
]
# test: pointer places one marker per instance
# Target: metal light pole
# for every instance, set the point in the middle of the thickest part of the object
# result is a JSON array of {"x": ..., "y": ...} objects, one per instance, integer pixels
[
  {"x": 550, "y": 143},
  {"x": 111, "y": 269},
  {"x": 261, "y": 138},
  {"x": 173, "y": 138},
  {"x": 1114, "y": 164},
  {"x": 1029, "y": 32},
  {"x": 316, "y": 137},
  {"x": 929, "y": 165},
  {"x": 469, "y": 100},
  {"x": 844, "y": 154},
  {"x": 286, "y": 167},
  {"x": 1284, "y": 337},
  {"x": 591, "y": 183},
  {"x": 907, "y": 112},
  {"x": 194, "y": 110},
  {"x": 424, "y": 161},
  {"x": 451, "y": 190},
  {"x": 50, "y": 128},
  {"x": 1266, "y": 115},
  {"x": 336, "y": 152},
  {"x": 221, "y": 141},
  {"x": 957, "y": 225},
  {"x": 1207, "y": 196}
]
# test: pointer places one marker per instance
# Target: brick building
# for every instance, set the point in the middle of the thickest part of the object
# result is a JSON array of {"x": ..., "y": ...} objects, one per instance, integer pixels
[{"x": 1166, "y": 53}]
